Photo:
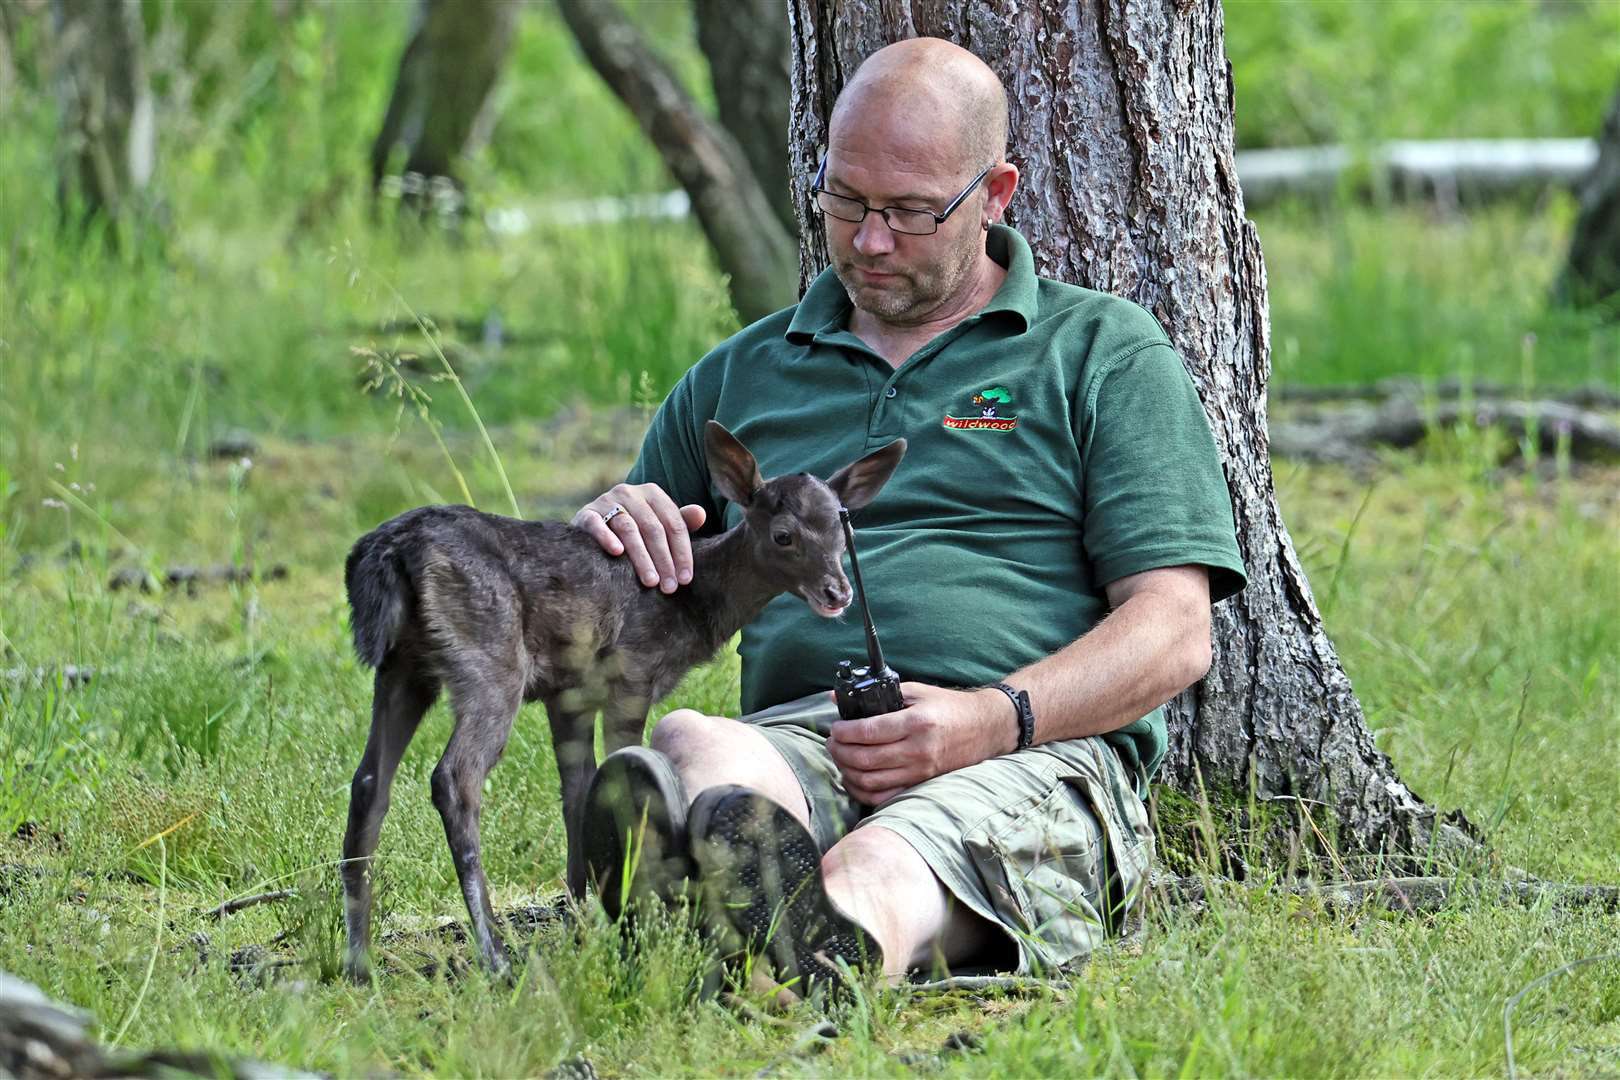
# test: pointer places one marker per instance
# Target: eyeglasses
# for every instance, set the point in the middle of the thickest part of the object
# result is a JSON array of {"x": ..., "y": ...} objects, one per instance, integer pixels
[{"x": 901, "y": 219}]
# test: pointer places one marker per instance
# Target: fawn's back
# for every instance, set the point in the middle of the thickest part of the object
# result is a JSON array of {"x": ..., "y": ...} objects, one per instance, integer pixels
[{"x": 469, "y": 594}]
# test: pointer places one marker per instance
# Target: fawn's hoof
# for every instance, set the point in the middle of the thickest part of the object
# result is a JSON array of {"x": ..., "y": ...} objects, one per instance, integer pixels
[
  {"x": 634, "y": 830},
  {"x": 357, "y": 968}
]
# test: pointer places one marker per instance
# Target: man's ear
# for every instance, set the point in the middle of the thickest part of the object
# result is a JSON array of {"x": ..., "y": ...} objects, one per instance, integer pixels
[
  {"x": 858, "y": 484},
  {"x": 733, "y": 468}
]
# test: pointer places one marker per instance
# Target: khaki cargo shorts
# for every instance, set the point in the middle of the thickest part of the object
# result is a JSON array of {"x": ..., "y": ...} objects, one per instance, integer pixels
[{"x": 1051, "y": 843}]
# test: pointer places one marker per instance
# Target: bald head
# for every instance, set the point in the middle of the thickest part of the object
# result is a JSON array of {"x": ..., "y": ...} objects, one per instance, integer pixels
[{"x": 933, "y": 91}]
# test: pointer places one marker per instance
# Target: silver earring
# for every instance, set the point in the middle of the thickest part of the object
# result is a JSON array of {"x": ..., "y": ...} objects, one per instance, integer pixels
[{"x": 986, "y": 224}]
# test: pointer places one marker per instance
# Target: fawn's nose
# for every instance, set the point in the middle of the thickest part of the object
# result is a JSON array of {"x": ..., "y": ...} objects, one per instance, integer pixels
[{"x": 836, "y": 593}]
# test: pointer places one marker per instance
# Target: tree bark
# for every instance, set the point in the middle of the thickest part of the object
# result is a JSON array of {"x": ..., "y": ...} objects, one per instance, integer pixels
[
  {"x": 439, "y": 107},
  {"x": 8, "y": 66},
  {"x": 752, "y": 247},
  {"x": 108, "y": 145},
  {"x": 1592, "y": 275},
  {"x": 1122, "y": 127},
  {"x": 746, "y": 42}
]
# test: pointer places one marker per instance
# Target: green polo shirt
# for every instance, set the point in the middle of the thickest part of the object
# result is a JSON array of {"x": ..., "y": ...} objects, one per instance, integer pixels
[{"x": 1055, "y": 444}]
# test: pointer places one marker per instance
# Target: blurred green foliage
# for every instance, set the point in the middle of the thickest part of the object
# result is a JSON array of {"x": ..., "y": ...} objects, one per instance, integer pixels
[
  {"x": 1320, "y": 71},
  {"x": 243, "y": 310},
  {"x": 1463, "y": 601}
]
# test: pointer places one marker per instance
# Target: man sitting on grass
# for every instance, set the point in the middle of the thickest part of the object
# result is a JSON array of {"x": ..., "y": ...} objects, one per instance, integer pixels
[{"x": 1060, "y": 526}]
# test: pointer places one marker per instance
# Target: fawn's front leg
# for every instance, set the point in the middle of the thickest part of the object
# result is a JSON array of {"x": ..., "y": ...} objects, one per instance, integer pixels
[
  {"x": 624, "y": 717},
  {"x": 573, "y": 739}
]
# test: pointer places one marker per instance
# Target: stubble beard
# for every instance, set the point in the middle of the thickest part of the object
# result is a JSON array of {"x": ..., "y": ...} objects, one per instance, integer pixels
[{"x": 913, "y": 294}]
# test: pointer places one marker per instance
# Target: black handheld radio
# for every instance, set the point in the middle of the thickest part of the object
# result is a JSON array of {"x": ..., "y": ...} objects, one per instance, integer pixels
[{"x": 875, "y": 688}]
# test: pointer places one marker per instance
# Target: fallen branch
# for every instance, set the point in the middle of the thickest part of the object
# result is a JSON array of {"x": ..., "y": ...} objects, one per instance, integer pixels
[
  {"x": 190, "y": 577},
  {"x": 1419, "y": 895},
  {"x": 1347, "y": 436},
  {"x": 72, "y": 675},
  {"x": 1448, "y": 388},
  {"x": 41, "y": 1037},
  {"x": 231, "y": 907}
]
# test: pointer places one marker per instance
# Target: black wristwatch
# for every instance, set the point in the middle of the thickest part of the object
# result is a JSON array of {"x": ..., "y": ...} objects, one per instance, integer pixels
[{"x": 1026, "y": 715}]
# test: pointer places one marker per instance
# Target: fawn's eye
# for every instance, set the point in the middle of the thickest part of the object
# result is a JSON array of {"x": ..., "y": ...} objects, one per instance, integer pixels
[{"x": 782, "y": 538}]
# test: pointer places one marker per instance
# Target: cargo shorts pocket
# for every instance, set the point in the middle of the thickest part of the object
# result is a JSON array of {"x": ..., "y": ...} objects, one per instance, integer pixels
[
  {"x": 1040, "y": 859},
  {"x": 1066, "y": 867},
  {"x": 1128, "y": 850}
]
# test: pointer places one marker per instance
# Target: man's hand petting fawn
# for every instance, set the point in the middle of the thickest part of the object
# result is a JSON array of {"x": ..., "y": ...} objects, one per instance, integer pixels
[
  {"x": 642, "y": 521},
  {"x": 938, "y": 732}
]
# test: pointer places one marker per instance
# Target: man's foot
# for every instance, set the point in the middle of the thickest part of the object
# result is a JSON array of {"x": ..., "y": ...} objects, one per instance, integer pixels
[
  {"x": 761, "y": 875},
  {"x": 635, "y": 830}
]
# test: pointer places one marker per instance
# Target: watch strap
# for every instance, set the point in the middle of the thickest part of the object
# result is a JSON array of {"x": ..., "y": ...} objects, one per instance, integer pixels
[{"x": 1026, "y": 714}]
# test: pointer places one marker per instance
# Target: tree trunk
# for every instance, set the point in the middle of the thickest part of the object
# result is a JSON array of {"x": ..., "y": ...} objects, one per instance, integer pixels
[
  {"x": 752, "y": 246},
  {"x": 8, "y": 67},
  {"x": 1122, "y": 127},
  {"x": 1592, "y": 275},
  {"x": 439, "y": 108},
  {"x": 746, "y": 42},
  {"x": 108, "y": 132}
]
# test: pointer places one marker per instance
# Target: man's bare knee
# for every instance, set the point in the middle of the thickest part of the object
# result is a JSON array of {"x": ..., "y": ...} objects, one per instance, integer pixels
[
  {"x": 711, "y": 750},
  {"x": 683, "y": 732}
]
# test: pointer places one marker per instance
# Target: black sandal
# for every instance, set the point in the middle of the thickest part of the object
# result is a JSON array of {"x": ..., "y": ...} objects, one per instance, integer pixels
[
  {"x": 760, "y": 874},
  {"x": 635, "y": 829}
]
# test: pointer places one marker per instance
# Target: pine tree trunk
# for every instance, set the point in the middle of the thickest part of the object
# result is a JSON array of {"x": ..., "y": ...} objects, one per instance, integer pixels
[
  {"x": 438, "y": 109},
  {"x": 1592, "y": 275},
  {"x": 1122, "y": 128},
  {"x": 108, "y": 146},
  {"x": 746, "y": 43}
]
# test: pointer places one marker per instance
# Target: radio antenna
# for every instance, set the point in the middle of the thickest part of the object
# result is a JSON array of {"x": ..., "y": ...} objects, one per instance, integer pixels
[{"x": 874, "y": 651}]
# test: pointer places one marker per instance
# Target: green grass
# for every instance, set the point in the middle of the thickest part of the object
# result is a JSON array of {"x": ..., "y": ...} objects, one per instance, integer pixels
[
  {"x": 1475, "y": 609},
  {"x": 1361, "y": 294},
  {"x": 1321, "y": 71},
  {"x": 237, "y": 715}
]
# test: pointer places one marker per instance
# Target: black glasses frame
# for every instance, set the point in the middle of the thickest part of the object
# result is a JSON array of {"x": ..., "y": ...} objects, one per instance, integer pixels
[{"x": 883, "y": 211}]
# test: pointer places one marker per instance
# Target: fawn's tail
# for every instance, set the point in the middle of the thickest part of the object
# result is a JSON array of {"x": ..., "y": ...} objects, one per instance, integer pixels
[{"x": 377, "y": 598}]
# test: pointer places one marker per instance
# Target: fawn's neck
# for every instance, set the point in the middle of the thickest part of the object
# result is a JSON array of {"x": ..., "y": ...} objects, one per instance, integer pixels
[{"x": 727, "y": 585}]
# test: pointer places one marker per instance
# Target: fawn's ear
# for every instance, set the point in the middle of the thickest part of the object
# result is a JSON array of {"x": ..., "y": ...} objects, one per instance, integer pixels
[
  {"x": 735, "y": 472},
  {"x": 858, "y": 484}
]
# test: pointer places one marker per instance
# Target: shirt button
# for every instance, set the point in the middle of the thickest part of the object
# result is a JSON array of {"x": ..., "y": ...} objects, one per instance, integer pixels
[{"x": 890, "y": 392}]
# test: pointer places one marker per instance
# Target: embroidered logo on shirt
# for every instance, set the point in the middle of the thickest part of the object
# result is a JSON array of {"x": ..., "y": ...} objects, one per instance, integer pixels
[{"x": 992, "y": 407}]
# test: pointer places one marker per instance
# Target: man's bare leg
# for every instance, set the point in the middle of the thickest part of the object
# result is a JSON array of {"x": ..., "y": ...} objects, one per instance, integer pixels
[
  {"x": 708, "y": 751},
  {"x": 874, "y": 875},
  {"x": 878, "y": 879}
]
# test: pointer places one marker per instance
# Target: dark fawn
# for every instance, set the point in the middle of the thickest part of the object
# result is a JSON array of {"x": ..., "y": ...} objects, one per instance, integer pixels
[{"x": 500, "y": 611}]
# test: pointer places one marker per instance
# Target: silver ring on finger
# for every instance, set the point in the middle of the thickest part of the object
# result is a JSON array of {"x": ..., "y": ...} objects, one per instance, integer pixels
[{"x": 607, "y": 517}]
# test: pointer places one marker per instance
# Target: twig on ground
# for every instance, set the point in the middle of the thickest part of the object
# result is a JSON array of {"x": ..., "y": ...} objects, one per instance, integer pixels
[
  {"x": 231, "y": 907},
  {"x": 1347, "y": 435},
  {"x": 1417, "y": 895}
]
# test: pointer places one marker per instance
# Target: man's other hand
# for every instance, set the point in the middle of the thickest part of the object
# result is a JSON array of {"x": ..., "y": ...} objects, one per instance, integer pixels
[
  {"x": 939, "y": 731},
  {"x": 650, "y": 529}
]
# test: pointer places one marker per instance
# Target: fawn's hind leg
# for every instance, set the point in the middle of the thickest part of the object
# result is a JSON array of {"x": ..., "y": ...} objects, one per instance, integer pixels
[
  {"x": 399, "y": 698},
  {"x": 485, "y": 711}
]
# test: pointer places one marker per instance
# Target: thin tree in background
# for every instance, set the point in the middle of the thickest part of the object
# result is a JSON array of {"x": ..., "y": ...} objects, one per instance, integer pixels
[
  {"x": 1592, "y": 274},
  {"x": 107, "y": 150},
  {"x": 746, "y": 44},
  {"x": 1122, "y": 125},
  {"x": 754, "y": 249},
  {"x": 439, "y": 110}
]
